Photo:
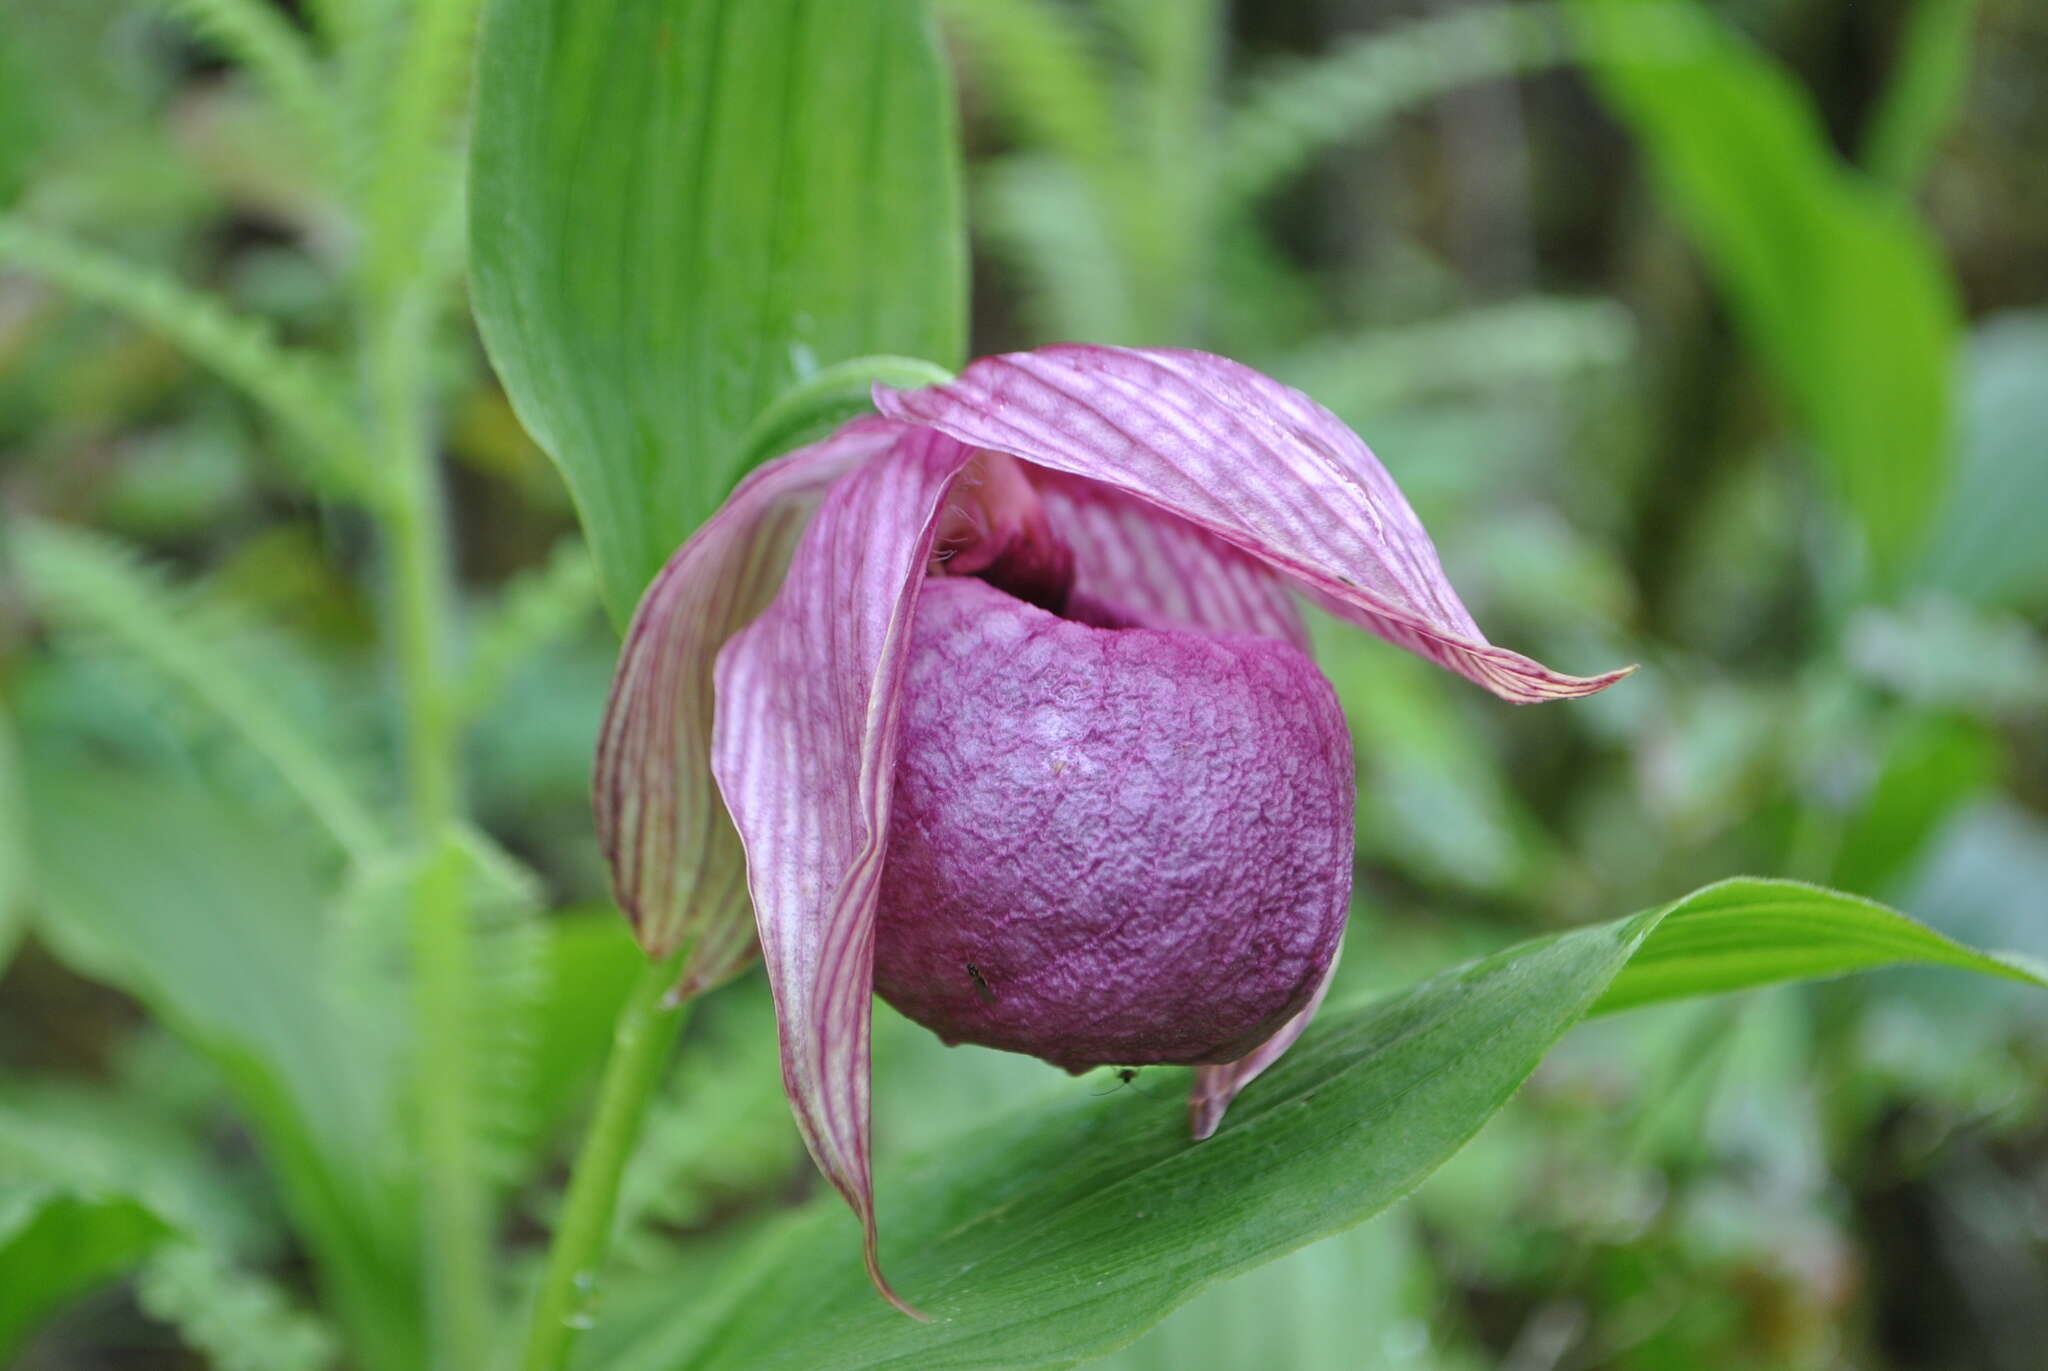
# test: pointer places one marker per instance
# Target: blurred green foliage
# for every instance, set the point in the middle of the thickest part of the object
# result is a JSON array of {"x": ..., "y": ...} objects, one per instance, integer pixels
[{"x": 1706, "y": 337}]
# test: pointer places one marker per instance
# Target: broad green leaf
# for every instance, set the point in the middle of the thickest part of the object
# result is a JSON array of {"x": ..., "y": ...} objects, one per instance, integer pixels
[
  {"x": 1743, "y": 933},
  {"x": 94, "y": 1182},
  {"x": 678, "y": 207},
  {"x": 1059, "y": 1233},
  {"x": 57, "y": 1242},
  {"x": 123, "y": 1185},
  {"x": 1357, "y": 1299},
  {"x": 209, "y": 914},
  {"x": 1839, "y": 289}
]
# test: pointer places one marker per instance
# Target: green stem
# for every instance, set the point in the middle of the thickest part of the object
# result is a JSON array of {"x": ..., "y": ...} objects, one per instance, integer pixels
[
  {"x": 455, "y": 1217},
  {"x": 647, "y": 1026}
]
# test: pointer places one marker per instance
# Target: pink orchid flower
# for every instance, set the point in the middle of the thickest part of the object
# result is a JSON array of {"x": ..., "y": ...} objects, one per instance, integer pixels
[{"x": 1013, "y": 722}]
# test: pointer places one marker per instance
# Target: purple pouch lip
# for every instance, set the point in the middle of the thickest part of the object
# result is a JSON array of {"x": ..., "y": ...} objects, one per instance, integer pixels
[{"x": 1109, "y": 846}]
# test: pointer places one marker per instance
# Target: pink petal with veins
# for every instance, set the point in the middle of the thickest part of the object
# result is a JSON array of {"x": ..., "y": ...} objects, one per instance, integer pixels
[
  {"x": 1253, "y": 462},
  {"x": 676, "y": 864},
  {"x": 804, "y": 749}
]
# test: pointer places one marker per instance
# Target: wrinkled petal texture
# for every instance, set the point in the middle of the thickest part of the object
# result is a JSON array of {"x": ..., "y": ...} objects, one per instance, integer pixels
[
  {"x": 1253, "y": 462},
  {"x": 676, "y": 862},
  {"x": 803, "y": 749},
  {"x": 1110, "y": 846}
]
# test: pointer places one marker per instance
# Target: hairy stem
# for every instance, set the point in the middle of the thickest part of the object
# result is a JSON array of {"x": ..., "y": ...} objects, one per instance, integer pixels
[
  {"x": 455, "y": 1221},
  {"x": 647, "y": 1026}
]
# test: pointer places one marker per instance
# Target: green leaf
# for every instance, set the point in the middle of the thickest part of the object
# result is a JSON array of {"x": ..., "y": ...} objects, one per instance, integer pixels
[
  {"x": 1742, "y": 933},
  {"x": 1061, "y": 1232},
  {"x": 1356, "y": 1299},
  {"x": 95, "y": 1182},
  {"x": 57, "y": 1242},
  {"x": 210, "y": 915},
  {"x": 109, "y": 1184},
  {"x": 678, "y": 207},
  {"x": 1839, "y": 289}
]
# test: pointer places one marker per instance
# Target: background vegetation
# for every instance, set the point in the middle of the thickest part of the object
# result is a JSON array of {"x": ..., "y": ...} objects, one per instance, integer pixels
[{"x": 1734, "y": 369}]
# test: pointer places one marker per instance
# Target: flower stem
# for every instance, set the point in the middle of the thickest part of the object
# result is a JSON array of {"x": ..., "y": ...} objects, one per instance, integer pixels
[
  {"x": 647, "y": 1026},
  {"x": 455, "y": 1204}
]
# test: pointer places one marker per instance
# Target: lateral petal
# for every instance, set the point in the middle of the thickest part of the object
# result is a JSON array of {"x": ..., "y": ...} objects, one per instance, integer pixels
[
  {"x": 1259, "y": 465},
  {"x": 676, "y": 863},
  {"x": 804, "y": 749}
]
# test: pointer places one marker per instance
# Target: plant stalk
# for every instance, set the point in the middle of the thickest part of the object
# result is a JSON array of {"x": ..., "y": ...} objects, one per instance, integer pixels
[
  {"x": 455, "y": 1218},
  {"x": 647, "y": 1026}
]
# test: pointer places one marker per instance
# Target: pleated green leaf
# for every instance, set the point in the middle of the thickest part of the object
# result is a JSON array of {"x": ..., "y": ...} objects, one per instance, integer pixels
[
  {"x": 680, "y": 207},
  {"x": 1064, "y": 1230}
]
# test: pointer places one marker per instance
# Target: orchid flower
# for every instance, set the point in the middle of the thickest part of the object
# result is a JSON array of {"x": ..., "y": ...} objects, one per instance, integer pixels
[{"x": 1008, "y": 701}]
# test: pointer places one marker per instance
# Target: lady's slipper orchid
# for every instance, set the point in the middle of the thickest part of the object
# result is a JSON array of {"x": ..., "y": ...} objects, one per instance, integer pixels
[{"x": 1027, "y": 741}]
